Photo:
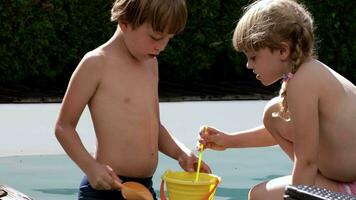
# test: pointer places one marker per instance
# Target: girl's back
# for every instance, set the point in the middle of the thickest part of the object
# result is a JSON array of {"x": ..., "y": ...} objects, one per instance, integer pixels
[{"x": 337, "y": 119}]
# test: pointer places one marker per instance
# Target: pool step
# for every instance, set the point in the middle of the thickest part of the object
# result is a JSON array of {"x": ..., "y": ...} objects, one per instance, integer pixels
[{"x": 8, "y": 193}]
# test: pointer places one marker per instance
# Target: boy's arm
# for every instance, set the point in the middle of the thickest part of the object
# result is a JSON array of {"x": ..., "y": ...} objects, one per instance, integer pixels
[
  {"x": 169, "y": 145},
  {"x": 173, "y": 148},
  {"x": 81, "y": 88},
  {"x": 303, "y": 106}
]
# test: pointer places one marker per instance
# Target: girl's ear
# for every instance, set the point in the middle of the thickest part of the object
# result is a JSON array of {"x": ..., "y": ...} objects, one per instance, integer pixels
[
  {"x": 284, "y": 51},
  {"x": 123, "y": 25}
]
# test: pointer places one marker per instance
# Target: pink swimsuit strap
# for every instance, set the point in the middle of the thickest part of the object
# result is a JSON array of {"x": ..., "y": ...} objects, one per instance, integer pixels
[
  {"x": 348, "y": 188},
  {"x": 287, "y": 77}
]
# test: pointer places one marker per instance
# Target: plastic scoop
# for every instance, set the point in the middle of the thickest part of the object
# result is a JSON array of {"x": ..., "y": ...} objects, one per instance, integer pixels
[
  {"x": 200, "y": 157},
  {"x": 135, "y": 191}
]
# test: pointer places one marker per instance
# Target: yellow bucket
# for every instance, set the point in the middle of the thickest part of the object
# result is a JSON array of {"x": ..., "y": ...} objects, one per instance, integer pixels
[{"x": 182, "y": 186}]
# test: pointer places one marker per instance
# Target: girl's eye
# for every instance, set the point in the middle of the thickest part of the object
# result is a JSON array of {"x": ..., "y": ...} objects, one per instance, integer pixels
[{"x": 253, "y": 58}]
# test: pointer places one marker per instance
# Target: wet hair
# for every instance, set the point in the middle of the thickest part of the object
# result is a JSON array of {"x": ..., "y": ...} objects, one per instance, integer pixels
[
  {"x": 268, "y": 23},
  {"x": 169, "y": 16}
]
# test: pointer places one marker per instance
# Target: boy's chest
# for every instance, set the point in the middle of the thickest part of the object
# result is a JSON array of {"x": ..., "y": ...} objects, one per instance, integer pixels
[{"x": 129, "y": 86}]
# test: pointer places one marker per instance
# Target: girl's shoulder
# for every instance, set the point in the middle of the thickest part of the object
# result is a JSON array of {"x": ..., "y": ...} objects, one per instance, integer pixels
[
  {"x": 312, "y": 66},
  {"x": 311, "y": 75},
  {"x": 311, "y": 71}
]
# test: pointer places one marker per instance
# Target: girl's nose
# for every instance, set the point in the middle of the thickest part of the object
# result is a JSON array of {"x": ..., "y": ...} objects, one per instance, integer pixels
[{"x": 248, "y": 66}]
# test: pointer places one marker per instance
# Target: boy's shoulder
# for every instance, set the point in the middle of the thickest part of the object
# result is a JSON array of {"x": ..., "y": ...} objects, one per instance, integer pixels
[
  {"x": 91, "y": 63},
  {"x": 94, "y": 55},
  {"x": 93, "y": 58}
]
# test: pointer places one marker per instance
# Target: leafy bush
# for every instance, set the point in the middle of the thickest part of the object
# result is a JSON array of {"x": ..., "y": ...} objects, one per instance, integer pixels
[{"x": 42, "y": 41}]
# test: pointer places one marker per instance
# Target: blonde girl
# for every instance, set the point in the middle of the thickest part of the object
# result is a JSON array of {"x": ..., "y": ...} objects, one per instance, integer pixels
[{"x": 313, "y": 119}]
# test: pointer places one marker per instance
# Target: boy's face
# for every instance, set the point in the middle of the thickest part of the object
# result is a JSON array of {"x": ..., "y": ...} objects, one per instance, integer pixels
[
  {"x": 143, "y": 42},
  {"x": 268, "y": 65}
]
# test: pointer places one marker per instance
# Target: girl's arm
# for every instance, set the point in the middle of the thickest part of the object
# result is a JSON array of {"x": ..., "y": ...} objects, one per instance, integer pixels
[
  {"x": 256, "y": 137},
  {"x": 303, "y": 107},
  {"x": 219, "y": 140}
]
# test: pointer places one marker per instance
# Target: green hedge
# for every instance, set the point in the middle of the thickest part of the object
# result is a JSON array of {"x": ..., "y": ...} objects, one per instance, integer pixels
[
  {"x": 42, "y": 41},
  {"x": 336, "y": 26}
]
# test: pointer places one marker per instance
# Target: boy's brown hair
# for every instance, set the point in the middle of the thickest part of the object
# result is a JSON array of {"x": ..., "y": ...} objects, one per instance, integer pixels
[{"x": 169, "y": 16}]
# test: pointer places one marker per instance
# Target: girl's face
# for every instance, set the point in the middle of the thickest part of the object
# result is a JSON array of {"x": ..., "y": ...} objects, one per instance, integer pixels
[
  {"x": 269, "y": 66},
  {"x": 144, "y": 43}
]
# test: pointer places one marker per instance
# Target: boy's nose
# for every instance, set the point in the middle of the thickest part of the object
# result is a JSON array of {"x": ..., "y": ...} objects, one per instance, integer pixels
[
  {"x": 159, "y": 48},
  {"x": 162, "y": 45}
]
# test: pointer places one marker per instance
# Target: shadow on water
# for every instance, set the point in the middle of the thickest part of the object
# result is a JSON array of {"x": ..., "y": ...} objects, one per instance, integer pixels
[
  {"x": 229, "y": 193},
  {"x": 232, "y": 193},
  {"x": 61, "y": 191},
  {"x": 269, "y": 177}
]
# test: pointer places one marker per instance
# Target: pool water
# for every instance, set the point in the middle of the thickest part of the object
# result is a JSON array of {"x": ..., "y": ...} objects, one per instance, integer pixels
[
  {"x": 56, "y": 177},
  {"x": 33, "y": 162}
]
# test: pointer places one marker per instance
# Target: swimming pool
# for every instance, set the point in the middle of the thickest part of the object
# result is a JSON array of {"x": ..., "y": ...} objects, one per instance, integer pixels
[
  {"x": 55, "y": 177},
  {"x": 28, "y": 129}
]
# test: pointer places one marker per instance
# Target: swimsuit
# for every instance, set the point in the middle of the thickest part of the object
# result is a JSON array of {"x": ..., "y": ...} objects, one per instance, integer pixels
[
  {"x": 348, "y": 188},
  {"x": 86, "y": 192}
]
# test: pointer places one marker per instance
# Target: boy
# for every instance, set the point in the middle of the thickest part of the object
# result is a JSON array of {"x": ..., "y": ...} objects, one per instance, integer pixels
[{"x": 118, "y": 81}]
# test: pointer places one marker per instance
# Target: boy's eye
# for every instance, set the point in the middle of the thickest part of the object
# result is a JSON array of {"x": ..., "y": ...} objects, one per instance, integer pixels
[
  {"x": 155, "y": 38},
  {"x": 252, "y": 58}
]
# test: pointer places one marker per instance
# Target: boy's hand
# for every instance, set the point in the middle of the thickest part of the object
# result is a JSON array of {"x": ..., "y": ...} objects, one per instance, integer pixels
[
  {"x": 189, "y": 162},
  {"x": 212, "y": 138},
  {"x": 103, "y": 177}
]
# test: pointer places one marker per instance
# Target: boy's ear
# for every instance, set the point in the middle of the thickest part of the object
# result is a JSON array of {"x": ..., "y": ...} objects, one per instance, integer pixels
[{"x": 284, "y": 51}]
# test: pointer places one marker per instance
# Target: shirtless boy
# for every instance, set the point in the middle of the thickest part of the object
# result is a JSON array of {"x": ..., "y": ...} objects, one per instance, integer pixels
[{"x": 118, "y": 81}]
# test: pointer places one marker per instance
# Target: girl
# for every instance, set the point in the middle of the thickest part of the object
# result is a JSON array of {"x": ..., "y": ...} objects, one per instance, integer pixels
[{"x": 314, "y": 118}]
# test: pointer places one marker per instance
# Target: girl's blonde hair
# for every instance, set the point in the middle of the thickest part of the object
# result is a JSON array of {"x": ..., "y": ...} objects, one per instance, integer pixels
[
  {"x": 168, "y": 16},
  {"x": 268, "y": 23}
]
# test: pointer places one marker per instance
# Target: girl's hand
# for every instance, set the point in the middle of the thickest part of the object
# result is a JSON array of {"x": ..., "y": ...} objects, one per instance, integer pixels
[
  {"x": 212, "y": 138},
  {"x": 103, "y": 177},
  {"x": 189, "y": 162}
]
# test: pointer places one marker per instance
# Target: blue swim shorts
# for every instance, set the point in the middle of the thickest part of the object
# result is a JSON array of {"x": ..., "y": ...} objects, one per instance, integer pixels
[{"x": 86, "y": 192}]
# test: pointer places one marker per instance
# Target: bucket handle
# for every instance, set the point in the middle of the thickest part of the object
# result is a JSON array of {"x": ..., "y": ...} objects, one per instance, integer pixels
[{"x": 163, "y": 196}]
